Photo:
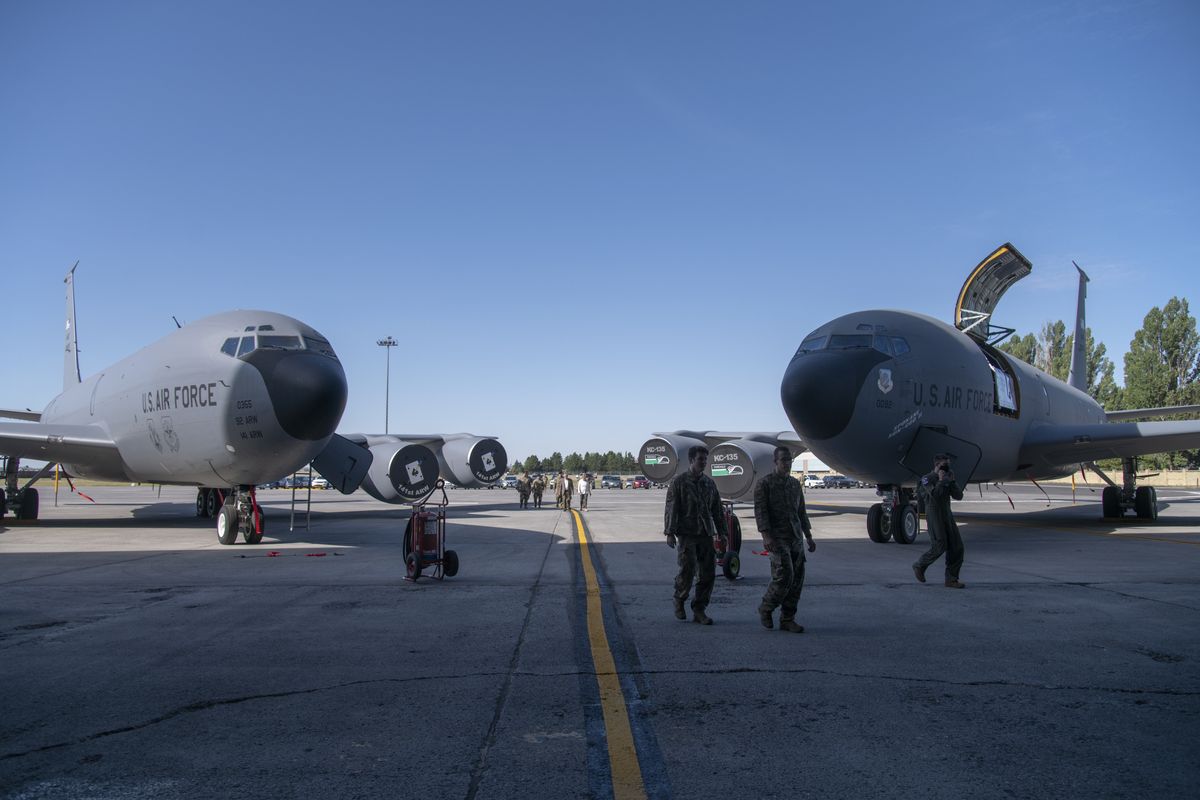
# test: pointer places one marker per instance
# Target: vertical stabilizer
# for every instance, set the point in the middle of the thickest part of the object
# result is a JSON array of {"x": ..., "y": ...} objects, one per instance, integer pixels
[
  {"x": 1078, "y": 375},
  {"x": 71, "y": 356}
]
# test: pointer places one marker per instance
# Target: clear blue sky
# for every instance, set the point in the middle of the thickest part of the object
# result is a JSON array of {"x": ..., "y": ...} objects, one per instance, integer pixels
[{"x": 593, "y": 220}]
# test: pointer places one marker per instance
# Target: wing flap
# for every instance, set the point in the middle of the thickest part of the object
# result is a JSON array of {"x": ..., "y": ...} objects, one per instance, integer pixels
[{"x": 1053, "y": 445}]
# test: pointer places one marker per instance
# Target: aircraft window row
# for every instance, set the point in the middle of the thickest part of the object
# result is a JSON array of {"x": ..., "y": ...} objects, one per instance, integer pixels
[
  {"x": 237, "y": 347},
  {"x": 888, "y": 345}
]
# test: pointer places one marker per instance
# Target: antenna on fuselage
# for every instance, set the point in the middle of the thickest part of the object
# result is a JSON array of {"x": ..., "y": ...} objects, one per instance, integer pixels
[
  {"x": 1077, "y": 377},
  {"x": 71, "y": 354},
  {"x": 177, "y": 325}
]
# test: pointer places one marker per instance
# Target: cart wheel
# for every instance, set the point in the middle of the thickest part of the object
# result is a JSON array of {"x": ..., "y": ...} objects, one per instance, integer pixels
[
  {"x": 412, "y": 566},
  {"x": 735, "y": 536},
  {"x": 733, "y": 565},
  {"x": 407, "y": 539},
  {"x": 450, "y": 564}
]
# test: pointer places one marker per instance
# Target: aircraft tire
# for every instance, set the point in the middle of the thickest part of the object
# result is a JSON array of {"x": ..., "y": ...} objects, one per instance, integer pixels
[
  {"x": 875, "y": 524},
  {"x": 29, "y": 504},
  {"x": 732, "y": 566},
  {"x": 1110, "y": 502},
  {"x": 1145, "y": 502},
  {"x": 258, "y": 526},
  {"x": 210, "y": 503},
  {"x": 227, "y": 524},
  {"x": 910, "y": 525},
  {"x": 450, "y": 564},
  {"x": 412, "y": 566},
  {"x": 735, "y": 538},
  {"x": 200, "y": 503}
]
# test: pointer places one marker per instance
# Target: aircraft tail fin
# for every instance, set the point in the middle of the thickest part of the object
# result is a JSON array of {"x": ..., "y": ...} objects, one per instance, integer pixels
[
  {"x": 1078, "y": 374},
  {"x": 71, "y": 355}
]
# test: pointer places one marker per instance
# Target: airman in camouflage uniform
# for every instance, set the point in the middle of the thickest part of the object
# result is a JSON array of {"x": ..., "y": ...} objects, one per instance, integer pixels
[
  {"x": 524, "y": 486},
  {"x": 539, "y": 486},
  {"x": 938, "y": 488},
  {"x": 781, "y": 518},
  {"x": 690, "y": 522}
]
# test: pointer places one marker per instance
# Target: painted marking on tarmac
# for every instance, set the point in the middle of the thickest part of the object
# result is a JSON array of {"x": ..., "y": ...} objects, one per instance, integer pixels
[
  {"x": 626, "y": 772},
  {"x": 1128, "y": 537}
]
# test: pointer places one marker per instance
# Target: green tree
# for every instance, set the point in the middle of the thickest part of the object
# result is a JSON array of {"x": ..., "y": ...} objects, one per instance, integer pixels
[
  {"x": 1162, "y": 368},
  {"x": 573, "y": 462},
  {"x": 1022, "y": 347},
  {"x": 531, "y": 464}
]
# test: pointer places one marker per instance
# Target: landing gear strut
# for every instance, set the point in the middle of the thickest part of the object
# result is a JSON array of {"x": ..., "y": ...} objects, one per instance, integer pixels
[
  {"x": 23, "y": 503},
  {"x": 237, "y": 512},
  {"x": 895, "y": 518},
  {"x": 1116, "y": 500}
]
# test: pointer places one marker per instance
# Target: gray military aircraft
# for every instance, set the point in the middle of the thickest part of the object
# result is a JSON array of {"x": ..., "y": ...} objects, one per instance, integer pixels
[
  {"x": 877, "y": 394},
  {"x": 230, "y": 401}
]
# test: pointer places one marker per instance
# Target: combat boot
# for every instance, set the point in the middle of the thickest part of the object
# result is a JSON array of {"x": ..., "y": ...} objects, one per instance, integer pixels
[
  {"x": 764, "y": 616},
  {"x": 955, "y": 583},
  {"x": 919, "y": 571},
  {"x": 700, "y": 618},
  {"x": 791, "y": 626},
  {"x": 679, "y": 612}
]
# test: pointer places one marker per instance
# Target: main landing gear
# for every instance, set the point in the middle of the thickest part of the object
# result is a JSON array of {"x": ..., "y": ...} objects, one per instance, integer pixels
[
  {"x": 23, "y": 502},
  {"x": 237, "y": 511},
  {"x": 895, "y": 518},
  {"x": 1116, "y": 500}
]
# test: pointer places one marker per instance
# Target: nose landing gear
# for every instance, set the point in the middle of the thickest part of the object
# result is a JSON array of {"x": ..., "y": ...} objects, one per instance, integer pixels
[
  {"x": 237, "y": 512},
  {"x": 895, "y": 518}
]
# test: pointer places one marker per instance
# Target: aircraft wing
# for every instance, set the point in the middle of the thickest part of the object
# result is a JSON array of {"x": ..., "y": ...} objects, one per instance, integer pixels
[
  {"x": 1146, "y": 413},
  {"x": 713, "y": 438},
  {"x": 71, "y": 444},
  {"x": 1078, "y": 444}
]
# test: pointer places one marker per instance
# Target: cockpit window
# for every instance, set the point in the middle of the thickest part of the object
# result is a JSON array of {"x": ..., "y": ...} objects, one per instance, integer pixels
[
  {"x": 900, "y": 345},
  {"x": 230, "y": 346},
  {"x": 279, "y": 342},
  {"x": 319, "y": 346},
  {"x": 247, "y": 346},
  {"x": 883, "y": 344},
  {"x": 846, "y": 341},
  {"x": 812, "y": 343}
]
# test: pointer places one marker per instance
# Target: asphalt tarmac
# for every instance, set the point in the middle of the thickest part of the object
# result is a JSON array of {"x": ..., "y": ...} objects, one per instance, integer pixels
[{"x": 139, "y": 658}]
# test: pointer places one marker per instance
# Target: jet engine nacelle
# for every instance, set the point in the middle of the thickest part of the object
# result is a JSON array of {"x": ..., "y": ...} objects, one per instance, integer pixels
[
  {"x": 736, "y": 467},
  {"x": 664, "y": 456},
  {"x": 472, "y": 461},
  {"x": 401, "y": 472}
]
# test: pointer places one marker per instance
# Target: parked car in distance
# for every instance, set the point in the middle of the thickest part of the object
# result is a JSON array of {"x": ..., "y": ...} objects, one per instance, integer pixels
[
  {"x": 813, "y": 482},
  {"x": 638, "y": 482},
  {"x": 320, "y": 483},
  {"x": 509, "y": 482},
  {"x": 840, "y": 482},
  {"x": 610, "y": 482}
]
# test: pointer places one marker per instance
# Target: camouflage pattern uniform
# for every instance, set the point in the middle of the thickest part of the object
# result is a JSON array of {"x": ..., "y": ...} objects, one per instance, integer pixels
[
  {"x": 693, "y": 516},
  {"x": 943, "y": 530},
  {"x": 782, "y": 519},
  {"x": 523, "y": 489},
  {"x": 539, "y": 486}
]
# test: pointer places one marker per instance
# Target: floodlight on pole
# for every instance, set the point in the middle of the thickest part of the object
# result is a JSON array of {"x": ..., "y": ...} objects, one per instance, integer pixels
[{"x": 387, "y": 344}]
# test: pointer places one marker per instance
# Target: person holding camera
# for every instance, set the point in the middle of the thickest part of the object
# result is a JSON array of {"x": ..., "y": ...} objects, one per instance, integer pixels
[{"x": 938, "y": 488}]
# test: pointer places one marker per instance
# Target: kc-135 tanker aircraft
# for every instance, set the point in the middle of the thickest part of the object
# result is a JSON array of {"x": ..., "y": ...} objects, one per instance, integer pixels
[
  {"x": 876, "y": 394},
  {"x": 226, "y": 403}
]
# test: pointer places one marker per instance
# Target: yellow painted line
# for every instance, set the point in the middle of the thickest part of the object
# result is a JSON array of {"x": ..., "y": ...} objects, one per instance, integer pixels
[{"x": 622, "y": 755}]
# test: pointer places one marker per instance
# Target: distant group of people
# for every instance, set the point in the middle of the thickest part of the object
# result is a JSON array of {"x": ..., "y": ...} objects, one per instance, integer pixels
[
  {"x": 564, "y": 488},
  {"x": 694, "y": 514}
]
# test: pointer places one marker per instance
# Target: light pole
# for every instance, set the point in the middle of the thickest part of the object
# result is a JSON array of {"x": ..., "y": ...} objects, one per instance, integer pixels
[{"x": 387, "y": 344}]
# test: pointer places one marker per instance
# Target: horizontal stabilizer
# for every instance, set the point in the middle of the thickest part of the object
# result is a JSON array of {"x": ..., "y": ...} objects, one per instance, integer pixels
[
  {"x": 28, "y": 416},
  {"x": 1056, "y": 445},
  {"x": 343, "y": 463},
  {"x": 1147, "y": 413}
]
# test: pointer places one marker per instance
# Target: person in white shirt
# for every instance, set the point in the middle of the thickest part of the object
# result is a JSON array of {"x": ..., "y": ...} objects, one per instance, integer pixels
[{"x": 585, "y": 489}]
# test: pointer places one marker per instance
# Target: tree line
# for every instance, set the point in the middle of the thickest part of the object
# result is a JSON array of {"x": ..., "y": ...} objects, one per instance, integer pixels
[
  {"x": 1162, "y": 367},
  {"x": 572, "y": 463}
]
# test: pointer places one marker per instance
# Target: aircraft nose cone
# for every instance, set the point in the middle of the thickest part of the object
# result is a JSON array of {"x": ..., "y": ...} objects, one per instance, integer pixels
[
  {"x": 820, "y": 389},
  {"x": 308, "y": 391}
]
